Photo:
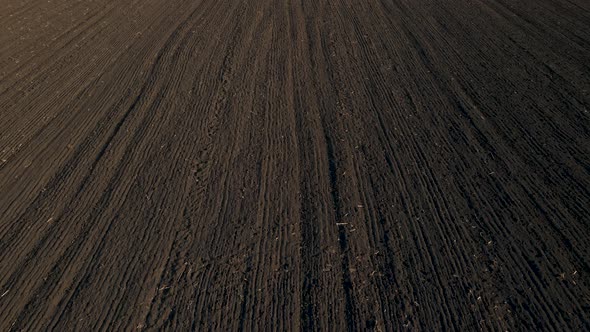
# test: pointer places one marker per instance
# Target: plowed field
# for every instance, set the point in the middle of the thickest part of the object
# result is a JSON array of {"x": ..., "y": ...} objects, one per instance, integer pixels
[{"x": 305, "y": 165}]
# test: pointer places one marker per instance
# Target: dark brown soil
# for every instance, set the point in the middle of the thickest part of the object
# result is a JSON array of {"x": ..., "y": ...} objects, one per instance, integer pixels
[{"x": 295, "y": 165}]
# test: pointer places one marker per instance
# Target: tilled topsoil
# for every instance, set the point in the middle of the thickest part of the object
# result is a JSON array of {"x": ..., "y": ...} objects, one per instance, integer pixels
[{"x": 295, "y": 165}]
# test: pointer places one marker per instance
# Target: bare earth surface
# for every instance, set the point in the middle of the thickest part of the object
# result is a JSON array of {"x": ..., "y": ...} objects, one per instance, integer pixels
[{"x": 295, "y": 165}]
